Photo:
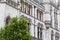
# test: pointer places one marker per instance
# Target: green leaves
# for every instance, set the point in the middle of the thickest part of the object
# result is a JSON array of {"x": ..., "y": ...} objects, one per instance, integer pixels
[{"x": 17, "y": 29}]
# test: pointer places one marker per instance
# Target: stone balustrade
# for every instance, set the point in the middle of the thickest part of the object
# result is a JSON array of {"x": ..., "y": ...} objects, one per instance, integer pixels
[{"x": 10, "y": 2}]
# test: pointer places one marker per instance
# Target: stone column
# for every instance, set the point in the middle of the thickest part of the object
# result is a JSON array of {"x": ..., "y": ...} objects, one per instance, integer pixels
[
  {"x": 33, "y": 10},
  {"x": 52, "y": 14},
  {"x": 58, "y": 18},
  {"x": 54, "y": 36},
  {"x": 44, "y": 35},
  {"x": 44, "y": 32}
]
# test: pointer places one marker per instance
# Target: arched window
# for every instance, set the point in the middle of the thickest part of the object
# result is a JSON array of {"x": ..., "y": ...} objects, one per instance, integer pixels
[
  {"x": 29, "y": 9},
  {"x": 39, "y": 15},
  {"x": 39, "y": 31},
  {"x": 52, "y": 35},
  {"x": 7, "y": 19}
]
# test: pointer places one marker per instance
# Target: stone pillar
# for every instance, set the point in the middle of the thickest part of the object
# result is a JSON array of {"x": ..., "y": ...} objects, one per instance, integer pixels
[
  {"x": 33, "y": 10},
  {"x": 52, "y": 14},
  {"x": 44, "y": 34},
  {"x": 54, "y": 36}
]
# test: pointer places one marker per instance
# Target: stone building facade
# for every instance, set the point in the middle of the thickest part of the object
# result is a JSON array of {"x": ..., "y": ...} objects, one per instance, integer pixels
[{"x": 43, "y": 16}]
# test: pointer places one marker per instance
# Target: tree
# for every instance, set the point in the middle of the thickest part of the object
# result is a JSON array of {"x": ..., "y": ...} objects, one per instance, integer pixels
[{"x": 17, "y": 29}]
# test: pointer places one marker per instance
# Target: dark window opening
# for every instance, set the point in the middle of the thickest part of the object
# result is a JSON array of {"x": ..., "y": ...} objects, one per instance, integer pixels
[
  {"x": 39, "y": 33},
  {"x": 7, "y": 19}
]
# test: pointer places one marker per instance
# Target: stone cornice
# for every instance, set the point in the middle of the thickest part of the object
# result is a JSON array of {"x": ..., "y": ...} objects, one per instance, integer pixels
[
  {"x": 41, "y": 7},
  {"x": 51, "y": 4},
  {"x": 12, "y": 5}
]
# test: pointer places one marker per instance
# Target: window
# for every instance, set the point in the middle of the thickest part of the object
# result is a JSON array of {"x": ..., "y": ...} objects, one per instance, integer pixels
[
  {"x": 29, "y": 9},
  {"x": 39, "y": 15},
  {"x": 52, "y": 35},
  {"x": 26, "y": 8},
  {"x": 56, "y": 36},
  {"x": 55, "y": 19},
  {"x": 7, "y": 19},
  {"x": 39, "y": 32},
  {"x": 22, "y": 5}
]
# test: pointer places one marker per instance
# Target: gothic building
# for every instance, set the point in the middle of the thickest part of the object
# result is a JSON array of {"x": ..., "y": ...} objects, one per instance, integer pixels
[{"x": 43, "y": 16}]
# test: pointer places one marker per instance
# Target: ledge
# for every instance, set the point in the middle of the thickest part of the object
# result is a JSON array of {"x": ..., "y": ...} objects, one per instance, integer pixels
[
  {"x": 36, "y": 38},
  {"x": 41, "y": 7},
  {"x": 10, "y": 3}
]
